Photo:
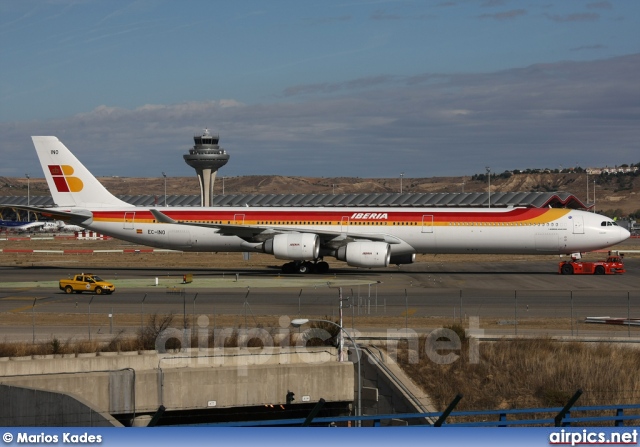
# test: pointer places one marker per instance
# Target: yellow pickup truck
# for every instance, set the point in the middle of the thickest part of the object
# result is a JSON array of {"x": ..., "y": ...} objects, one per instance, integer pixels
[{"x": 87, "y": 282}]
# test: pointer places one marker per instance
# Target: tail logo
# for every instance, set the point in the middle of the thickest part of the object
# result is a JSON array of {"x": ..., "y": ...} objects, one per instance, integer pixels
[{"x": 62, "y": 177}]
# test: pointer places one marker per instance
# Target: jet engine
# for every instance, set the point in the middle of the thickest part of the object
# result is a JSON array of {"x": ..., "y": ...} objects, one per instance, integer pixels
[
  {"x": 365, "y": 254},
  {"x": 403, "y": 259},
  {"x": 294, "y": 246}
]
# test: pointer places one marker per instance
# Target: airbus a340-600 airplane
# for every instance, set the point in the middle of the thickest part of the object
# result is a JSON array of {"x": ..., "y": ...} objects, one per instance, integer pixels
[{"x": 362, "y": 237}]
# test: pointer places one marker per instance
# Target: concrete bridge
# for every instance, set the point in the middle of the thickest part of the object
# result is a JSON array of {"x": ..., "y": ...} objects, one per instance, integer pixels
[{"x": 131, "y": 386}]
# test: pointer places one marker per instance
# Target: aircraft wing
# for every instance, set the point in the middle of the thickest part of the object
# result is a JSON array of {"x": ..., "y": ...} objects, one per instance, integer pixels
[
  {"x": 260, "y": 233},
  {"x": 242, "y": 231}
]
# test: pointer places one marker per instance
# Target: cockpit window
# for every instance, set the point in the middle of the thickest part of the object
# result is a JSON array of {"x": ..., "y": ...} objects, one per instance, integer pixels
[{"x": 608, "y": 224}]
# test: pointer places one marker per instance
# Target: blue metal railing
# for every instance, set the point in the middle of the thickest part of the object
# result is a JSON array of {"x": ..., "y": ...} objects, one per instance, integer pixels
[{"x": 499, "y": 418}]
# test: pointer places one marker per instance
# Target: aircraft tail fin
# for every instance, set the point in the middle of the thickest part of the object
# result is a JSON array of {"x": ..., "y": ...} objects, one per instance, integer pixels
[{"x": 70, "y": 183}]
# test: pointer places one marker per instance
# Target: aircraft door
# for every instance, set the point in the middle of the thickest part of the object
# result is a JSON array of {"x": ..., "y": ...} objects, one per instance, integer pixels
[
  {"x": 344, "y": 224},
  {"x": 578, "y": 225},
  {"x": 129, "y": 217},
  {"x": 238, "y": 219},
  {"x": 427, "y": 223}
]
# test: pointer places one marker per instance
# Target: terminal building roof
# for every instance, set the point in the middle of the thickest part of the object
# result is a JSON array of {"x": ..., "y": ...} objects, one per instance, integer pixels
[{"x": 392, "y": 200}]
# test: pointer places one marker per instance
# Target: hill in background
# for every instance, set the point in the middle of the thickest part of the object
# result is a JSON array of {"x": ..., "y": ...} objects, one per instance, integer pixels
[{"x": 617, "y": 195}]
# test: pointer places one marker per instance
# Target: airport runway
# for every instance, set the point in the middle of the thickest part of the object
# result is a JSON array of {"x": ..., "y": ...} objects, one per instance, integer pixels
[{"x": 417, "y": 296}]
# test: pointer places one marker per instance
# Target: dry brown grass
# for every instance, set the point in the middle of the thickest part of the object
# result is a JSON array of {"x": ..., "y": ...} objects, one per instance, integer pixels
[
  {"x": 529, "y": 374},
  {"x": 55, "y": 346},
  {"x": 144, "y": 338}
]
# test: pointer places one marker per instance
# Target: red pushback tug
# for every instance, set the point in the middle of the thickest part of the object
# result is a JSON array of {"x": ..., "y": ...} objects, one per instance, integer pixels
[{"x": 612, "y": 266}]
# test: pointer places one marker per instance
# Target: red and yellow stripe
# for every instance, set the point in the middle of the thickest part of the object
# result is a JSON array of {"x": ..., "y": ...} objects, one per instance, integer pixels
[{"x": 268, "y": 217}]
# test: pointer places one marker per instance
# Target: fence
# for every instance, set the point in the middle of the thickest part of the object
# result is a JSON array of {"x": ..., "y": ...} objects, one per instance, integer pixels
[{"x": 542, "y": 417}]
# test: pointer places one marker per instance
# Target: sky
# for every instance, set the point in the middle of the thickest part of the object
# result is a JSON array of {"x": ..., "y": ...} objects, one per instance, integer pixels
[{"x": 332, "y": 88}]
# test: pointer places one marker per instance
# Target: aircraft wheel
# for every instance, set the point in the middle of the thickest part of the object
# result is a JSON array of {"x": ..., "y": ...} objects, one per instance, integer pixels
[
  {"x": 322, "y": 267},
  {"x": 305, "y": 267},
  {"x": 567, "y": 269},
  {"x": 599, "y": 270},
  {"x": 289, "y": 267},
  {"x": 98, "y": 290},
  {"x": 68, "y": 289}
]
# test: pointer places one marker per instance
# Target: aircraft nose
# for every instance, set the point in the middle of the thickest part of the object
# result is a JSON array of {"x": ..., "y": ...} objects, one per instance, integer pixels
[{"x": 624, "y": 234}]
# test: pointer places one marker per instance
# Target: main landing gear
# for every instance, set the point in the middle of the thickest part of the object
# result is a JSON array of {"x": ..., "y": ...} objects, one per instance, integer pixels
[{"x": 305, "y": 267}]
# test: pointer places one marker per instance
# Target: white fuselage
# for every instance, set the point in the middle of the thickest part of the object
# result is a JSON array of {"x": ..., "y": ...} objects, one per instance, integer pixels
[{"x": 420, "y": 230}]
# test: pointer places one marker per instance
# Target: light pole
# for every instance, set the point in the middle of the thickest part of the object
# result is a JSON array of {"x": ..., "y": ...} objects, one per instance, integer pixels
[
  {"x": 142, "y": 316},
  {"x": 594, "y": 196},
  {"x": 300, "y": 321},
  {"x": 33, "y": 320},
  {"x": 223, "y": 185},
  {"x": 193, "y": 322},
  {"x": 341, "y": 338},
  {"x": 489, "y": 176},
  {"x": 28, "y": 194},
  {"x": 90, "y": 317},
  {"x": 587, "y": 185},
  {"x": 401, "y": 175},
  {"x": 165, "y": 189}
]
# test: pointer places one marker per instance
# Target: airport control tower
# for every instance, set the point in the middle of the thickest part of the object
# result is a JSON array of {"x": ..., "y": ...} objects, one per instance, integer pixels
[{"x": 206, "y": 157}]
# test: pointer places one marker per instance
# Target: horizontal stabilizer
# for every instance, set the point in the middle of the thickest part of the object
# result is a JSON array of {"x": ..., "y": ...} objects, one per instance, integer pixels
[
  {"x": 75, "y": 215},
  {"x": 162, "y": 218}
]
